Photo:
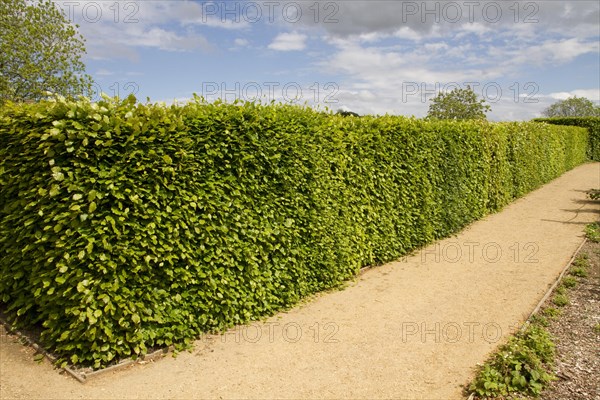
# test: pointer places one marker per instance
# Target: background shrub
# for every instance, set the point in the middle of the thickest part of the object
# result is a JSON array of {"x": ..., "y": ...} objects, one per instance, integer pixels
[{"x": 591, "y": 123}]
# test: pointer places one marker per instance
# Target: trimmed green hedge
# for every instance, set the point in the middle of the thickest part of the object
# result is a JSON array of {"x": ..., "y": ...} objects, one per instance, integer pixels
[
  {"x": 127, "y": 226},
  {"x": 591, "y": 123}
]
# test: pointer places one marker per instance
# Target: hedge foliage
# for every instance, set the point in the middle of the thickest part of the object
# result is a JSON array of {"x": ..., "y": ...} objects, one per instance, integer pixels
[
  {"x": 128, "y": 226},
  {"x": 591, "y": 123}
]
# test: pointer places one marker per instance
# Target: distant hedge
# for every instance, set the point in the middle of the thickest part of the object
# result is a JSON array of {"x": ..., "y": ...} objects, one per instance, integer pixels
[
  {"x": 127, "y": 226},
  {"x": 591, "y": 123}
]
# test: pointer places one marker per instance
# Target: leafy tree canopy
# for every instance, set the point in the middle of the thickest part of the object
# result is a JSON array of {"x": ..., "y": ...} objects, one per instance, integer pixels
[
  {"x": 458, "y": 104},
  {"x": 573, "y": 107},
  {"x": 40, "y": 51}
]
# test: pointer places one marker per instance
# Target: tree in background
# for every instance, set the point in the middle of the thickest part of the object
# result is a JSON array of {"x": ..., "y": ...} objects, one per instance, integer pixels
[
  {"x": 40, "y": 50},
  {"x": 458, "y": 104},
  {"x": 573, "y": 107}
]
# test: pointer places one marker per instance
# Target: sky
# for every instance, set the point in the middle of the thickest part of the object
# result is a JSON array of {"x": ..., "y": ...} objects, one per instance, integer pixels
[{"x": 370, "y": 57}]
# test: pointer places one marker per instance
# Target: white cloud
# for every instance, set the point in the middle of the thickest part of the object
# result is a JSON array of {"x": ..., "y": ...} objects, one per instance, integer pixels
[
  {"x": 476, "y": 28},
  {"x": 241, "y": 42},
  {"x": 482, "y": 17},
  {"x": 592, "y": 94},
  {"x": 377, "y": 49},
  {"x": 401, "y": 79},
  {"x": 407, "y": 33},
  {"x": 289, "y": 42},
  {"x": 435, "y": 47},
  {"x": 407, "y": 64},
  {"x": 115, "y": 29},
  {"x": 165, "y": 40},
  {"x": 553, "y": 51}
]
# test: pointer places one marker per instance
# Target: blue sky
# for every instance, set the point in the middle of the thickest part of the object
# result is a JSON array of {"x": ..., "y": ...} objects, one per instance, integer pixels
[{"x": 372, "y": 57}]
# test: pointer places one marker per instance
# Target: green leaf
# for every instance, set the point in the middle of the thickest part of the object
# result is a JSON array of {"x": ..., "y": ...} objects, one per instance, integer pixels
[
  {"x": 135, "y": 318},
  {"x": 54, "y": 191}
]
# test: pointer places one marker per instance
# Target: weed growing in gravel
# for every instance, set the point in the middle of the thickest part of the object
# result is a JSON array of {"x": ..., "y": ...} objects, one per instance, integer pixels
[
  {"x": 582, "y": 260},
  {"x": 551, "y": 312},
  {"x": 519, "y": 366},
  {"x": 569, "y": 282},
  {"x": 580, "y": 265},
  {"x": 597, "y": 328},
  {"x": 560, "y": 300},
  {"x": 579, "y": 271},
  {"x": 540, "y": 320},
  {"x": 592, "y": 232}
]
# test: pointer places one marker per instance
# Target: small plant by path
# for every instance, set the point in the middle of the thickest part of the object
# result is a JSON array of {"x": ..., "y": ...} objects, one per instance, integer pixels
[
  {"x": 519, "y": 366},
  {"x": 592, "y": 231}
]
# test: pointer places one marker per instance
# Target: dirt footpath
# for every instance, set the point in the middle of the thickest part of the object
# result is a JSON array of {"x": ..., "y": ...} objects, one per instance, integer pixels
[{"x": 411, "y": 329}]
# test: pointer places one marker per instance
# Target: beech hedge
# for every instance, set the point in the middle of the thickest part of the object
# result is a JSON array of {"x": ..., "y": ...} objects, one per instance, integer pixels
[
  {"x": 591, "y": 123},
  {"x": 127, "y": 226}
]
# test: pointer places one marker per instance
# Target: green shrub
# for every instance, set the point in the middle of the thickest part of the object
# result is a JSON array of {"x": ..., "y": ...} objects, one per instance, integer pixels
[
  {"x": 127, "y": 226},
  {"x": 591, "y": 123},
  {"x": 519, "y": 366}
]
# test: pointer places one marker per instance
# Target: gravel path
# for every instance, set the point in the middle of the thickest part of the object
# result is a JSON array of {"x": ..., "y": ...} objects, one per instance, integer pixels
[{"x": 411, "y": 329}]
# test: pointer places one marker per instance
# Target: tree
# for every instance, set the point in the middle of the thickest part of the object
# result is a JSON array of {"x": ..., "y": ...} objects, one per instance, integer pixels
[
  {"x": 347, "y": 113},
  {"x": 40, "y": 51},
  {"x": 458, "y": 104},
  {"x": 573, "y": 107}
]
